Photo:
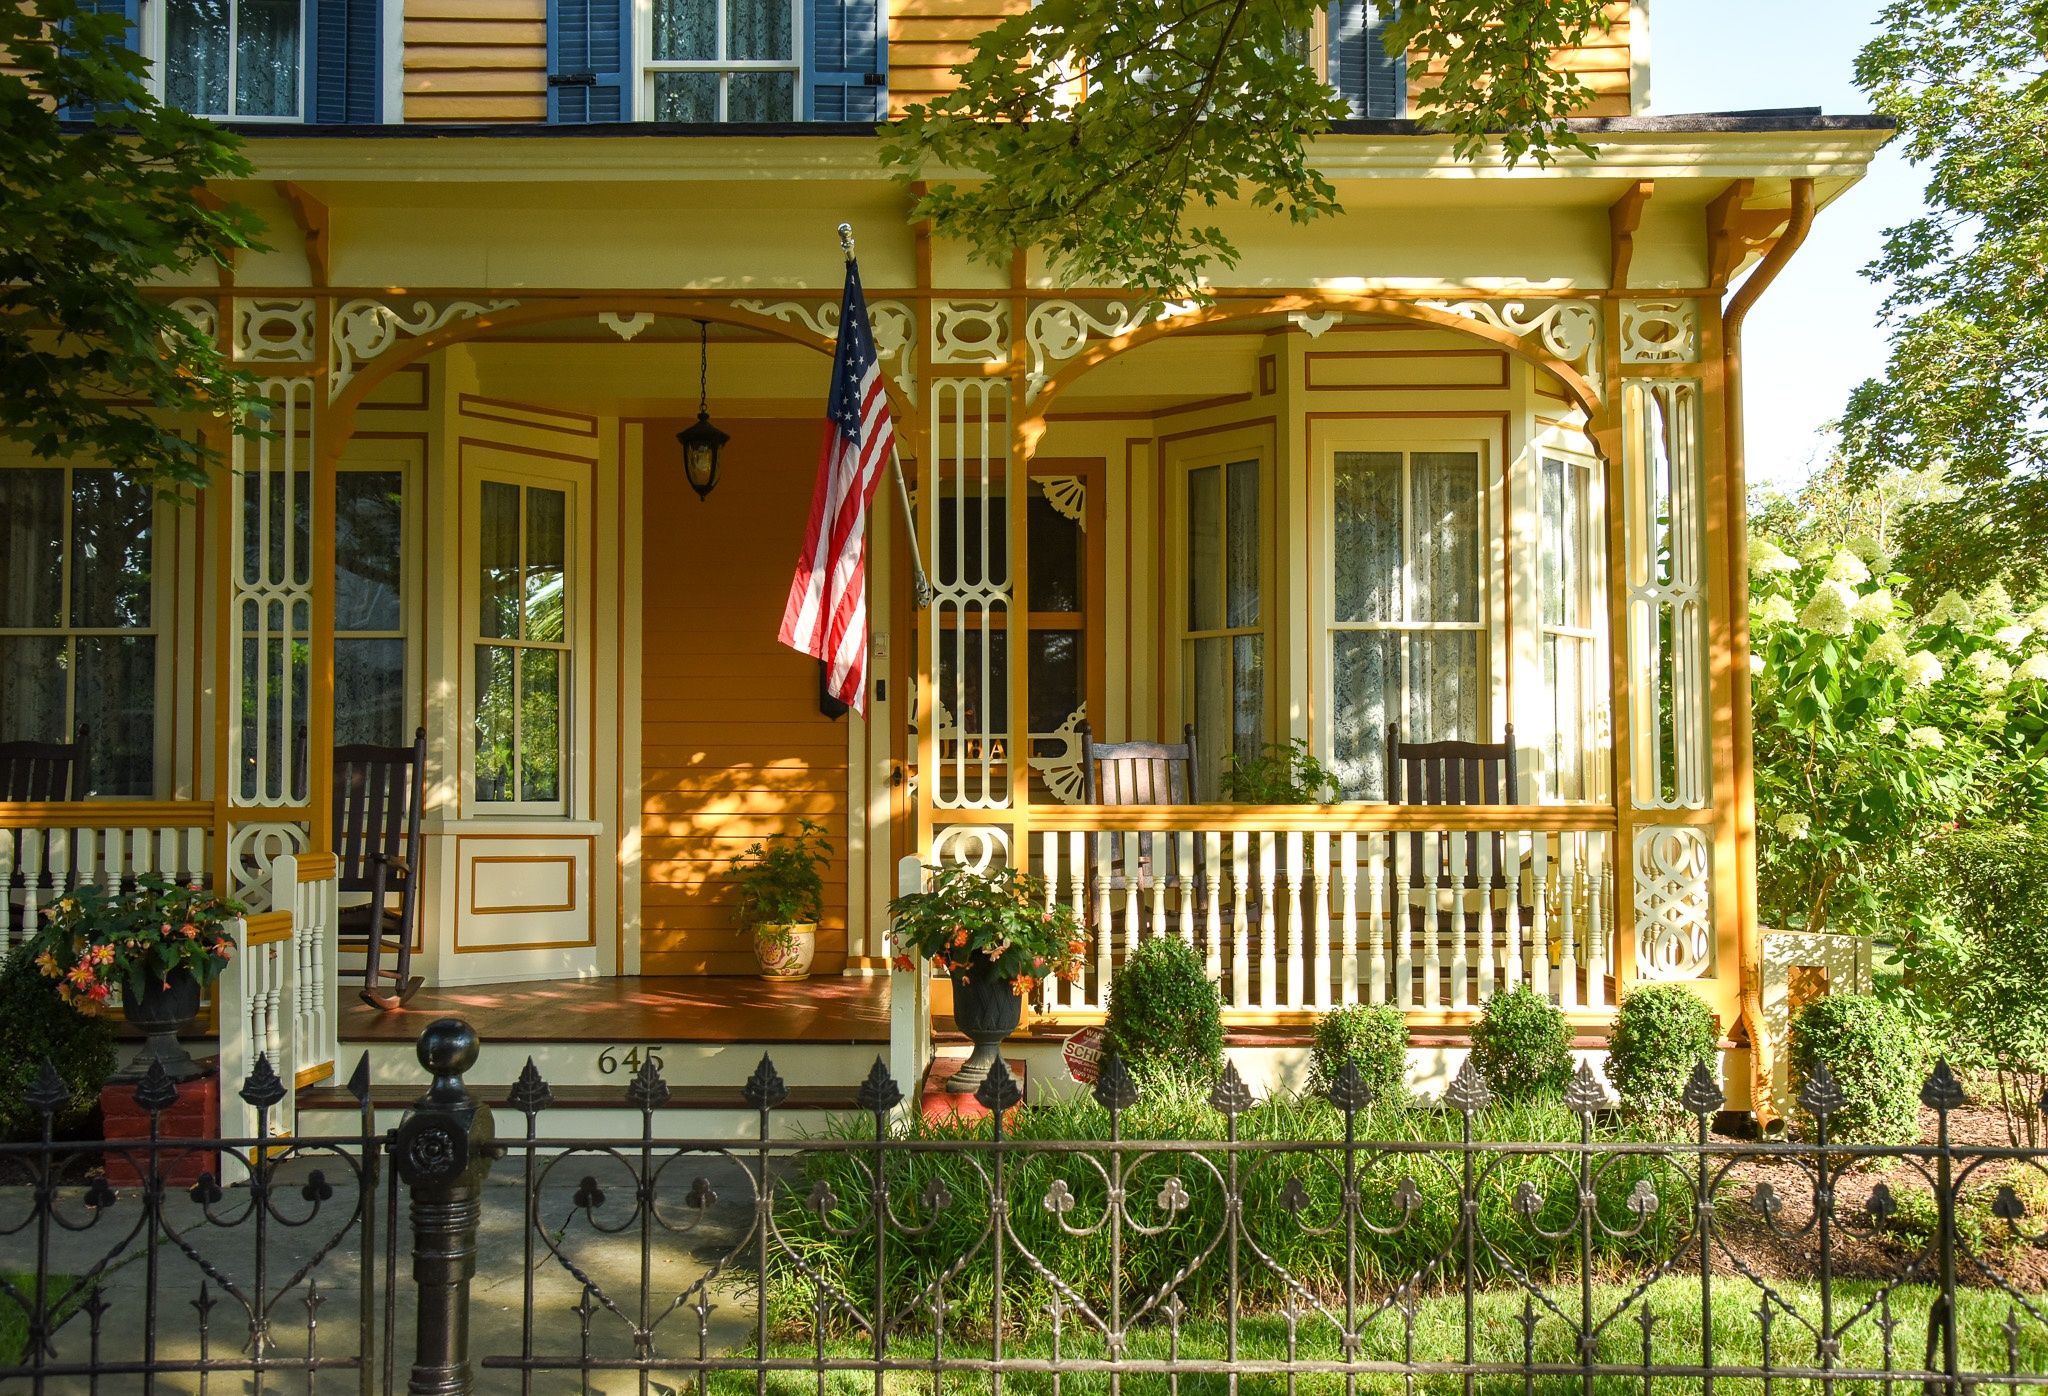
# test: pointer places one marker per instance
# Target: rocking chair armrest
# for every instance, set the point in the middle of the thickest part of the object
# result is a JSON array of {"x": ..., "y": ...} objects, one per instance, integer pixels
[{"x": 394, "y": 861}]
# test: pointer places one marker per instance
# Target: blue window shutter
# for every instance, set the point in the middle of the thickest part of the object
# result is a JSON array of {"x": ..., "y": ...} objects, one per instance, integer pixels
[
  {"x": 588, "y": 61},
  {"x": 846, "y": 61},
  {"x": 347, "y": 49},
  {"x": 130, "y": 10},
  {"x": 1374, "y": 83}
]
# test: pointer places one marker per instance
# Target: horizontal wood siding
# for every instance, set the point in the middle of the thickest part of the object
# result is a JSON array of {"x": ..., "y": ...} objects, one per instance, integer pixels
[
  {"x": 476, "y": 60},
  {"x": 732, "y": 747},
  {"x": 1602, "y": 65}
]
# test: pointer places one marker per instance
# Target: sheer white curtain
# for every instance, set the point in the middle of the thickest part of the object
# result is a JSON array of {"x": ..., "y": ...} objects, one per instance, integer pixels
[
  {"x": 754, "y": 32},
  {"x": 1225, "y": 616},
  {"x": 237, "y": 58}
]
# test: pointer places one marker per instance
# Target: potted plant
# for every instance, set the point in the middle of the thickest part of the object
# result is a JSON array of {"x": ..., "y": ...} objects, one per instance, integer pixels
[
  {"x": 1285, "y": 775},
  {"x": 157, "y": 946},
  {"x": 782, "y": 894},
  {"x": 995, "y": 935}
]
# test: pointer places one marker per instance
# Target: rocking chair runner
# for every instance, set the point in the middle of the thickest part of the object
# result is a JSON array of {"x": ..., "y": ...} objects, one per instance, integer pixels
[{"x": 378, "y": 795}]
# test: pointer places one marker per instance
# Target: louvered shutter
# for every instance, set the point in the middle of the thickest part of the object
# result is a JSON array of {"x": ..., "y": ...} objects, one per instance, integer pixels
[
  {"x": 1374, "y": 83},
  {"x": 846, "y": 61},
  {"x": 588, "y": 64},
  {"x": 130, "y": 10},
  {"x": 348, "y": 61}
]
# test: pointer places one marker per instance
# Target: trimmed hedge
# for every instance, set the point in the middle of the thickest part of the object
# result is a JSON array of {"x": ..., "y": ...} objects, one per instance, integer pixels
[
  {"x": 1522, "y": 1045},
  {"x": 1661, "y": 1033},
  {"x": 1876, "y": 1060},
  {"x": 1165, "y": 1017},
  {"x": 1375, "y": 1037}
]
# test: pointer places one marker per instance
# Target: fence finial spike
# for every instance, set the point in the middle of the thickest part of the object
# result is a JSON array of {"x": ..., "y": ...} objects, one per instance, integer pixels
[
  {"x": 1585, "y": 1094},
  {"x": 531, "y": 1093},
  {"x": 647, "y": 1092},
  {"x": 263, "y": 1089},
  {"x": 1820, "y": 1095},
  {"x": 1115, "y": 1089},
  {"x": 1942, "y": 1091},
  {"x": 359, "y": 1080},
  {"x": 998, "y": 1090},
  {"x": 1349, "y": 1092},
  {"x": 157, "y": 1091},
  {"x": 48, "y": 1093},
  {"x": 765, "y": 1089},
  {"x": 1702, "y": 1094},
  {"x": 1468, "y": 1092},
  {"x": 1230, "y": 1096},
  {"x": 879, "y": 1094}
]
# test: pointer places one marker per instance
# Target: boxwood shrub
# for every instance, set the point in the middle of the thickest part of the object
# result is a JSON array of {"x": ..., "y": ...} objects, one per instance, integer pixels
[
  {"x": 1523, "y": 1046},
  {"x": 1165, "y": 1017},
  {"x": 1876, "y": 1059},
  {"x": 1661, "y": 1033},
  {"x": 1375, "y": 1037},
  {"x": 35, "y": 1024}
]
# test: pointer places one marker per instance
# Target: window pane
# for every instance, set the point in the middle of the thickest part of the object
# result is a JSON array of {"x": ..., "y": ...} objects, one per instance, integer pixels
[
  {"x": 757, "y": 29},
  {"x": 960, "y": 683},
  {"x": 1248, "y": 686},
  {"x": 369, "y": 529},
  {"x": 1551, "y": 565},
  {"x": 196, "y": 42},
  {"x": 547, "y": 539},
  {"x": 686, "y": 96},
  {"x": 369, "y": 692},
  {"x": 1365, "y": 678},
  {"x": 1366, "y": 541},
  {"x": 267, "y": 58},
  {"x": 1242, "y": 545},
  {"x": 1230, "y": 704},
  {"x": 1566, "y": 665},
  {"x": 685, "y": 30},
  {"x": 1443, "y": 687},
  {"x": 31, "y": 548},
  {"x": 117, "y": 699},
  {"x": 956, "y": 553},
  {"x": 760, "y": 97},
  {"x": 498, "y": 561},
  {"x": 494, "y": 722},
  {"x": 540, "y": 725},
  {"x": 1057, "y": 550},
  {"x": 32, "y": 688},
  {"x": 1055, "y": 677},
  {"x": 1205, "y": 548},
  {"x": 1444, "y": 498},
  {"x": 110, "y": 550}
]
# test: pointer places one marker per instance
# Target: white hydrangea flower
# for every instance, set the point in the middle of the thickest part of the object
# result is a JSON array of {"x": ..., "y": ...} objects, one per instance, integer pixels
[
  {"x": 1926, "y": 738},
  {"x": 1847, "y": 567},
  {"x": 1994, "y": 600},
  {"x": 1766, "y": 556},
  {"x": 2014, "y": 635},
  {"x": 2034, "y": 666},
  {"x": 1756, "y": 663},
  {"x": 1816, "y": 552},
  {"x": 1865, "y": 547},
  {"x": 1828, "y": 612},
  {"x": 1887, "y": 725},
  {"x": 1923, "y": 669},
  {"x": 1775, "y": 610},
  {"x": 1992, "y": 670},
  {"x": 1876, "y": 606},
  {"x": 2037, "y": 619},
  {"x": 1887, "y": 648},
  {"x": 1951, "y": 609},
  {"x": 1793, "y": 826}
]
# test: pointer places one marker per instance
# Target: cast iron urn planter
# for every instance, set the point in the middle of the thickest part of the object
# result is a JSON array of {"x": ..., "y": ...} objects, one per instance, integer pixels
[
  {"x": 987, "y": 1010},
  {"x": 166, "y": 1008}
]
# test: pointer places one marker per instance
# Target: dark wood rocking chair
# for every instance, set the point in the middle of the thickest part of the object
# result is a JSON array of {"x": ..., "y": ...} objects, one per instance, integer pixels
[
  {"x": 378, "y": 795},
  {"x": 1454, "y": 773},
  {"x": 44, "y": 770},
  {"x": 1139, "y": 773}
]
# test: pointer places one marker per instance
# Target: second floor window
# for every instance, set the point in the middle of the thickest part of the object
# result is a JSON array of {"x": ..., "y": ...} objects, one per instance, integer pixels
[
  {"x": 724, "y": 60},
  {"x": 234, "y": 58}
]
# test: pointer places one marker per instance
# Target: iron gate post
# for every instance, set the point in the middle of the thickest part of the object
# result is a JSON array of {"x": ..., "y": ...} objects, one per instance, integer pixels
[{"x": 443, "y": 1148}]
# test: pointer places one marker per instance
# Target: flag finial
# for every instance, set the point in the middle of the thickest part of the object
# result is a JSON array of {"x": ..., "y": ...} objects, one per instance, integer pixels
[{"x": 846, "y": 240}]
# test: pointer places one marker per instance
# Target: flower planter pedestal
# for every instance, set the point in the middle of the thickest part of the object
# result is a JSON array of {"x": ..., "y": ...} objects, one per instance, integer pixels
[
  {"x": 939, "y": 1102},
  {"x": 194, "y": 1115}
]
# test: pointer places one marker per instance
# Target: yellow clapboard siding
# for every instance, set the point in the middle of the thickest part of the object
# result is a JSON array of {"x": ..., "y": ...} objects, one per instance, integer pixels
[
  {"x": 493, "y": 81},
  {"x": 526, "y": 32},
  {"x": 452, "y": 106},
  {"x": 470, "y": 57},
  {"x": 496, "y": 11}
]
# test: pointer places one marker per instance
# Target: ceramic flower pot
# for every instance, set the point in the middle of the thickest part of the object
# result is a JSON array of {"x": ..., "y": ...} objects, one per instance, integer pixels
[
  {"x": 987, "y": 1011},
  {"x": 785, "y": 951},
  {"x": 164, "y": 1010}
]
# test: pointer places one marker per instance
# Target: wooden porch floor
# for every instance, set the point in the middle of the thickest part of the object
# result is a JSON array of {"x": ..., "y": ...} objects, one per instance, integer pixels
[{"x": 646, "y": 1008}]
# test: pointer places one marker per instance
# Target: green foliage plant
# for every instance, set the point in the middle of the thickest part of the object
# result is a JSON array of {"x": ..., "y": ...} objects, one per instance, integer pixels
[
  {"x": 1374, "y": 1037},
  {"x": 1661, "y": 1033},
  {"x": 36, "y": 1024},
  {"x": 1977, "y": 958},
  {"x": 992, "y": 925},
  {"x": 91, "y": 364},
  {"x": 1165, "y": 1018},
  {"x": 1874, "y": 1056},
  {"x": 1284, "y": 774},
  {"x": 1099, "y": 130},
  {"x": 782, "y": 883},
  {"x": 95, "y": 943},
  {"x": 1523, "y": 1046}
]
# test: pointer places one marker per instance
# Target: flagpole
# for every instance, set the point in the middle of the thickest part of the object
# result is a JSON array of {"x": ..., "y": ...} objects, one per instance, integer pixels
[{"x": 920, "y": 584}]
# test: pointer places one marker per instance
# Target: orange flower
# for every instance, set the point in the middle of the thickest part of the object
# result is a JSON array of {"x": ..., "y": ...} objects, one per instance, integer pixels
[
  {"x": 1071, "y": 974},
  {"x": 81, "y": 974},
  {"x": 960, "y": 935},
  {"x": 189, "y": 931},
  {"x": 1023, "y": 986},
  {"x": 903, "y": 963}
]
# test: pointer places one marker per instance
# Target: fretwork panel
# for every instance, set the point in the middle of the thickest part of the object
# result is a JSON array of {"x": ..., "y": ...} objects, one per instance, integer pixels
[
  {"x": 273, "y": 602},
  {"x": 967, "y": 539},
  {"x": 1665, "y": 542}
]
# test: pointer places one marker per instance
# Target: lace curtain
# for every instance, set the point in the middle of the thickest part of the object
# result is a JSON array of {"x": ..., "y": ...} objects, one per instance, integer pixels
[
  {"x": 686, "y": 31},
  {"x": 233, "y": 57}
]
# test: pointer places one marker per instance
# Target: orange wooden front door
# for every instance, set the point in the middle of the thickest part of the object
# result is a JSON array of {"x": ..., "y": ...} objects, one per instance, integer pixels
[{"x": 732, "y": 745}]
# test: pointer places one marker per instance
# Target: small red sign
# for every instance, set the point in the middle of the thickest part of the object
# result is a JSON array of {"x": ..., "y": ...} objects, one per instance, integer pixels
[{"x": 1084, "y": 1052}]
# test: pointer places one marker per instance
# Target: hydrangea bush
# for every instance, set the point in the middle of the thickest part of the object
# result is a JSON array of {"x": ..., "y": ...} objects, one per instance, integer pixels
[{"x": 1876, "y": 728}]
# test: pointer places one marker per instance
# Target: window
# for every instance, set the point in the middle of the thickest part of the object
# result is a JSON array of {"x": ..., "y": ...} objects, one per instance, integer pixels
[
  {"x": 724, "y": 60},
  {"x": 1225, "y": 640},
  {"x": 234, "y": 58},
  {"x": 1571, "y": 566},
  {"x": 522, "y": 646},
  {"x": 369, "y": 609},
  {"x": 78, "y": 643},
  {"x": 1407, "y": 616}
]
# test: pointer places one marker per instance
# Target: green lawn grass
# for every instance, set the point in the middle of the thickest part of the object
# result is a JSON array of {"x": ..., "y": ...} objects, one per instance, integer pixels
[{"x": 14, "y": 1318}]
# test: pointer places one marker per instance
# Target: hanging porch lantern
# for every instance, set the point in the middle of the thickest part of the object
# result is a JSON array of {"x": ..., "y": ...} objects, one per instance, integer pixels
[{"x": 702, "y": 442}]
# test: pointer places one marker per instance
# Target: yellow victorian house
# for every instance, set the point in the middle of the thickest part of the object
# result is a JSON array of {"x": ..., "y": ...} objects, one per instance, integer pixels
[{"x": 1460, "y": 464}]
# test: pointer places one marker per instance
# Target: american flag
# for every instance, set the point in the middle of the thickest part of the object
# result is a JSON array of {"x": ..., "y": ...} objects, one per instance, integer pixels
[{"x": 827, "y": 611}]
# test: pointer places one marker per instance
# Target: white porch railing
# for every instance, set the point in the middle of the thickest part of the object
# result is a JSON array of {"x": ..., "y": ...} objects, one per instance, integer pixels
[
  {"x": 277, "y": 996},
  {"x": 1298, "y": 910},
  {"x": 48, "y": 849}
]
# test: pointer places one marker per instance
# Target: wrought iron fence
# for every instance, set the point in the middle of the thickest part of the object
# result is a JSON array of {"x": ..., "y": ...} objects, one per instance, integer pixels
[{"x": 972, "y": 1258}]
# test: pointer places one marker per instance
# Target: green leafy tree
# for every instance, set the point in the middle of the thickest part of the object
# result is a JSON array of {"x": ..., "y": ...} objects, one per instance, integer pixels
[
  {"x": 1097, "y": 126},
  {"x": 90, "y": 364},
  {"x": 1967, "y": 307}
]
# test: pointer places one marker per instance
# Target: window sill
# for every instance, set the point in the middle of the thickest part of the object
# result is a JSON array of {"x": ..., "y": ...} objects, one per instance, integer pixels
[{"x": 512, "y": 824}]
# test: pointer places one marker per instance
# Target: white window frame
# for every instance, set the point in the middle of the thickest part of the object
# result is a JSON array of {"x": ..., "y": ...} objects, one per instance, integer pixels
[
  {"x": 161, "y": 594},
  {"x": 650, "y": 67},
  {"x": 153, "y": 30},
  {"x": 374, "y": 456},
  {"x": 1596, "y": 734},
  {"x": 1489, "y": 627}
]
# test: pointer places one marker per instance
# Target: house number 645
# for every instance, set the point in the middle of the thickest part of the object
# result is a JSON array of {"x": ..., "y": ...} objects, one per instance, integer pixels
[{"x": 609, "y": 1061}]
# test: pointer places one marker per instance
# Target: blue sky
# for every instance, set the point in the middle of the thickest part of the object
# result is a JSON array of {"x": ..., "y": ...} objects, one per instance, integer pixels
[{"x": 1814, "y": 335}]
